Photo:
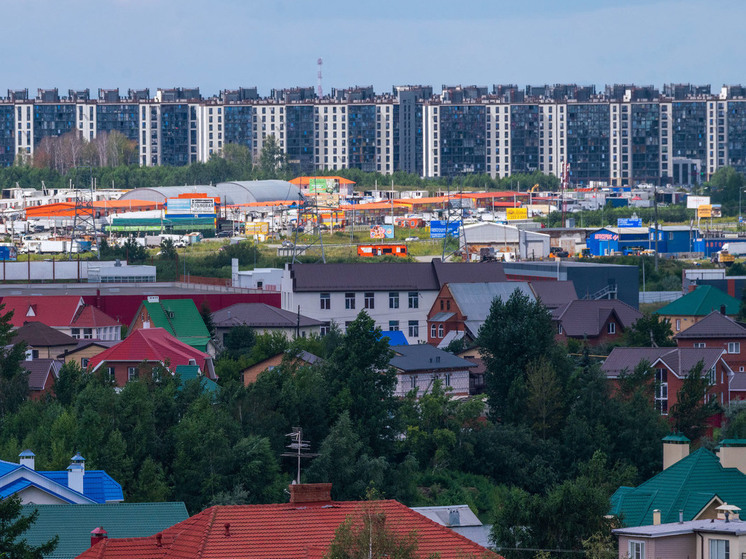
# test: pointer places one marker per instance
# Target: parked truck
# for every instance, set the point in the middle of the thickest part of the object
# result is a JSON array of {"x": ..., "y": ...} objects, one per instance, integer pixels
[{"x": 736, "y": 249}]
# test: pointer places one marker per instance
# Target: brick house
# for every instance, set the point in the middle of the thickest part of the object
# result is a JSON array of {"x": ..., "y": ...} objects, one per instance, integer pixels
[
  {"x": 717, "y": 330},
  {"x": 594, "y": 321},
  {"x": 695, "y": 305},
  {"x": 672, "y": 365}
]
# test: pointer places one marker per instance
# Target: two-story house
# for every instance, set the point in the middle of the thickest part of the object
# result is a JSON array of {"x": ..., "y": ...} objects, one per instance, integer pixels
[
  {"x": 418, "y": 366},
  {"x": 595, "y": 322},
  {"x": 717, "y": 330},
  {"x": 695, "y": 305},
  {"x": 398, "y": 296}
]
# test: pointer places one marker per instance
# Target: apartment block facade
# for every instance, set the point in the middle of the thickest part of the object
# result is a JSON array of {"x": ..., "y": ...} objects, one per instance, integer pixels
[{"x": 624, "y": 135}]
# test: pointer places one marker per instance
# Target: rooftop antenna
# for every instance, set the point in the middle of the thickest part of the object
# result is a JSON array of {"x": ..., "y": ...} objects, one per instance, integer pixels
[
  {"x": 299, "y": 447},
  {"x": 320, "y": 91}
]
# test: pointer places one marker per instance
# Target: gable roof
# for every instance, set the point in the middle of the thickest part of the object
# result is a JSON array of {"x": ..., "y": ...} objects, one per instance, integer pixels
[
  {"x": 283, "y": 531},
  {"x": 39, "y": 371},
  {"x": 475, "y": 299},
  {"x": 689, "y": 484},
  {"x": 587, "y": 316},
  {"x": 74, "y": 523},
  {"x": 92, "y": 317},
  {"x": 714, "y": 325},
  {"x": 384, "y": 276},
  {"x": 192, "y": 372},
  {"x": 679, "y": 360},
  {"x": 57, "y": 312},
  {"x": 396, "y": 337},
  {"x": 38, "y": 334},
  {"x": 180, "y": 318},
  {"x": 419, "y": 357},
  {"x": 703, "y": 300},
  {"x": 153, "y": 345},
  {"x": 554, "y": 294},
  {"x": 261, "y": 315}
]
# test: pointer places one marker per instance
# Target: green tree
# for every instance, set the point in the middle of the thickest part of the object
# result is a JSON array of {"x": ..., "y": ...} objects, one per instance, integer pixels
[
  {"x": 367, "y": 536},
  {"x": 515, "y": 333},
  {"x": 239, "y": 341},
  {"x": 544, "y": 403},
  {"x": 12, "y": 527},
  {"x": 206, "y": 314},
  {"x": 691, "y": 411},
  {"x": 272, "y": 158},
  {"x": 13, "y": 377},
  {"x": 651, "y": 330},
  {"x": 168, "y": 250},
  {"x": 69, "y": 383}
]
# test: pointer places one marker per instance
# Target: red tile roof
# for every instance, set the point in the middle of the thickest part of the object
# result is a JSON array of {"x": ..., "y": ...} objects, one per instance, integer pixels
[
  {"x": 152, "y": 344},
  {"x": 285, "y": 531},
  {"x": 53, "y": 311},
  {"x": 91, "y": 317}
]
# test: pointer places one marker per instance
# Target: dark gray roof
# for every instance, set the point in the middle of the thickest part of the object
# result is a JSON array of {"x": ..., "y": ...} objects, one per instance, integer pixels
[
  {"x": 384, "y": 276},
  {"x": 238, "y": 192},
  {"x": 679, "y": 360},
  {"x": 39, "y": 371},
  {"x": 554, "y": 294},
  {"x": 584, "y": 317},
  {"x": 474, "y": 300},
  {"x": 735, "y": 527},
  {"x": 714, "y": 325},
  {"x": 260, "y": 315},
  {"x": 424, "y": 357},
  {"x": 441, "y": 316},
  {"x": 37, "y": 334},
  {"x": 738, "y": 382}
]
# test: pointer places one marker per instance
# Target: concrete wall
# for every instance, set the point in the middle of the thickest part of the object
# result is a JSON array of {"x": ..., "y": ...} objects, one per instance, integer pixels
[{"x": 38, "y": 271}]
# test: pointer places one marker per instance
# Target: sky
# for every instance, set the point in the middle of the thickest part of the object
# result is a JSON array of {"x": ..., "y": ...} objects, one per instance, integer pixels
[{"x": 225, "y": 44}]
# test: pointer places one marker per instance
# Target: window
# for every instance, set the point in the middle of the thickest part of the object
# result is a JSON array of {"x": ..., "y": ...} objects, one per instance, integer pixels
[
  {"x": 394, "y": 325},
  {"x": 636, "y": 550},
  {"x": 110, "y": 373},
  {"x": 414, "y": 300},
  {"x": 84, "y": 362},
  {"x": 87, "y": 333},
  {"x": 559, "y": 328},
  {"x": 734, "y": 347},
  {"x": 76, "y": 333},
  {"x": 440, "y": 330},
  {"x": 433, "y": 330},
  {"x": 131, "y": 373},
  {"x": 678, "y": 324},
  {"x": 325, "y": 300},
  {"x": 323, "y": 331},
  {"x": 699, "y": 345},
  {"x": 447, "y": 379},
  {"x": 719, "y": 549},
  {"x": 414, "y": 329},
  {"x": 661, "y": 391},
  {"x": 611, "y": 328},
  {"x": 370, "y": 300},
  {"x": 350, "y": 301},
  {"x": 393, "y": 300},
  {"x": 413, "y": 382}
]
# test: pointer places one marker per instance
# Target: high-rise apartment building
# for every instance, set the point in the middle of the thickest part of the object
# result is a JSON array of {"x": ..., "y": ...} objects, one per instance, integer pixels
[{"x": 626, "y": 135}]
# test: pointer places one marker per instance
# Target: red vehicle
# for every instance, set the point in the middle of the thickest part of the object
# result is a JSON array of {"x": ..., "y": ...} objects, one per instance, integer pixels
[{"x": 382, "y": 250}]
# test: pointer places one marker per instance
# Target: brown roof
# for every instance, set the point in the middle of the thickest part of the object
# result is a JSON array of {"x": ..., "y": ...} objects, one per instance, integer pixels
[
  {"x": 261, "y": 315},
  {"x": 587, "y": 317},
  {"x": 39, "y": 371},
  {"x": 554, "y": 294},
  {"x": 384, "y": 276},
  {"x": 679, "y": 360},
  {"x": 714, "y": 325},
  {"x": 38, "y": 334}
]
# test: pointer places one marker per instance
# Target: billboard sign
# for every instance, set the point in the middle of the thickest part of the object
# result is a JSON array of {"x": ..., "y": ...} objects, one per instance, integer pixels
[
  {"x": 382, "y": 232},
  {"x": 693, "y": 202},
  {"x": 628, "y": 222},
  {"x": 438, "y": 229},
  {"x": 320, "y": 185},
  {"x": 705, "y": 210},
  {"x": 257, "y": 228},
  {"x": 517, "y": 213},
  {"x": 190, "y": 207}
]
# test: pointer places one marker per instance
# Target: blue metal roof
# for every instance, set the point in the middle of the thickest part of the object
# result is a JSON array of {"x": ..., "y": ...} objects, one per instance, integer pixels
[
  {"x": 98, "y": 486},
  {"x": 396, "y": 337}
]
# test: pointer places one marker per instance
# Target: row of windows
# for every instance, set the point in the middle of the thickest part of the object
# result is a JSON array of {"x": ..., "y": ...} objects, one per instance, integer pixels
[{"x": 369, "y": 300}]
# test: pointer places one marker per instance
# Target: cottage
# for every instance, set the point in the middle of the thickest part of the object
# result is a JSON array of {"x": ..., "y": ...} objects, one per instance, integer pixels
[
  {"x": 695, "y": 305},
  {"x": 418, "y": 366}
]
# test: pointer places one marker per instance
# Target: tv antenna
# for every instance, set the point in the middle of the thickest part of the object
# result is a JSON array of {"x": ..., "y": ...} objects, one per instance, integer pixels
[
  {"x": 320, "y": 92},
  {"x": 299, "y": 447}
]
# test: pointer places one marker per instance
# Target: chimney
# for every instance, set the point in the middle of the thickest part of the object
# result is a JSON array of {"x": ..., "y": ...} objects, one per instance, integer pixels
[
  {"x": 454, "y": 518},
  {"x": 27, "y": 459},
  {"x": 681, "y": 516},
  {"x": 76, "y": 473},
  {"x": 732, "y": 454},
  {"x": 722, "y": 309},
  {"x": 656, "y": 517},
  {"x": 97, "y": 535},
  {"x": 310, "y": 493},
  {"x": 675, "y": 448}
]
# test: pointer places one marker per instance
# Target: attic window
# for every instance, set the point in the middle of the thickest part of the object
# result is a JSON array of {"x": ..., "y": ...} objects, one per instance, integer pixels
[{"x": 170, "y": 314}]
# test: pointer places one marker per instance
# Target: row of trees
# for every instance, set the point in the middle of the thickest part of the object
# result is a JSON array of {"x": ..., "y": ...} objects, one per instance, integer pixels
[{"x": 540, "y": 462}]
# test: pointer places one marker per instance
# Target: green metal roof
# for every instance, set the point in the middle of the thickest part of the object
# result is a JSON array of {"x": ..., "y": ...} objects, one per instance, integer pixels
[
  {"x": 676, "y": 438},
  {"x": 73, "y": 523},
  {"x": 690, "y": 484},
  {"x": 191, "y": 372},
  {"x": 181, "y": 319},
  {"x": 700, "y": 302}
]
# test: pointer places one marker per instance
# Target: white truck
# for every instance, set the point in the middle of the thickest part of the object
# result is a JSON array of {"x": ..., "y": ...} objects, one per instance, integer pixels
[{"x": 736, "y": 249}]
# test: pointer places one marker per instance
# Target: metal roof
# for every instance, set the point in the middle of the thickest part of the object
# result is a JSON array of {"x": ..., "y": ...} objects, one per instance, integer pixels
[
  {"x": 424, "y": 357},
  {"x": 714, "y": 325},
  {"x": 474, "y": 300},
  {"x": 237, "y": 192}
]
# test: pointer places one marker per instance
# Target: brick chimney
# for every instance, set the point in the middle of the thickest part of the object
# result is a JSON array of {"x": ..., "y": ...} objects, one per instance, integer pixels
[
  {"x": 97, "y": 535},
  {"x": 27, "y": 458},
  {"x": 310, "y": 493},
  {"x": 675, "y": 448}
]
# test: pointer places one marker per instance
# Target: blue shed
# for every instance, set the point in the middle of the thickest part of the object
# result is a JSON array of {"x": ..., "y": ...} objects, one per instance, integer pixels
[
  {"x": 674, "y": 238},
  {"x": 604, "y": 241}
]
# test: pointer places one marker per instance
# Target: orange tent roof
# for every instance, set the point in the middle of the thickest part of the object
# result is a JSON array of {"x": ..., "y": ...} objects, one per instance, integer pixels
[
  {"x": 305, "y": 181},
  {"x": 368, "y": 206},
  {"x": 67, "y": 209}
]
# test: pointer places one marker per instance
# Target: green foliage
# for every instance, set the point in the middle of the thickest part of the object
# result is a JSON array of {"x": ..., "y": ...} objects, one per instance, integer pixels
[
  {"x": 238, "y": 342},
  {"x": 649, "y": 331},
  {"x": 691, "y": 411},
  {"x": 12, "y": 527},
  {"x": 13, "y": 377}
]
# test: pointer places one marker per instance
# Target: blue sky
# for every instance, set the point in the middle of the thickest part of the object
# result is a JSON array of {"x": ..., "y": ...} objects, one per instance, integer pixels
[{"x": 219, "y": 44}]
